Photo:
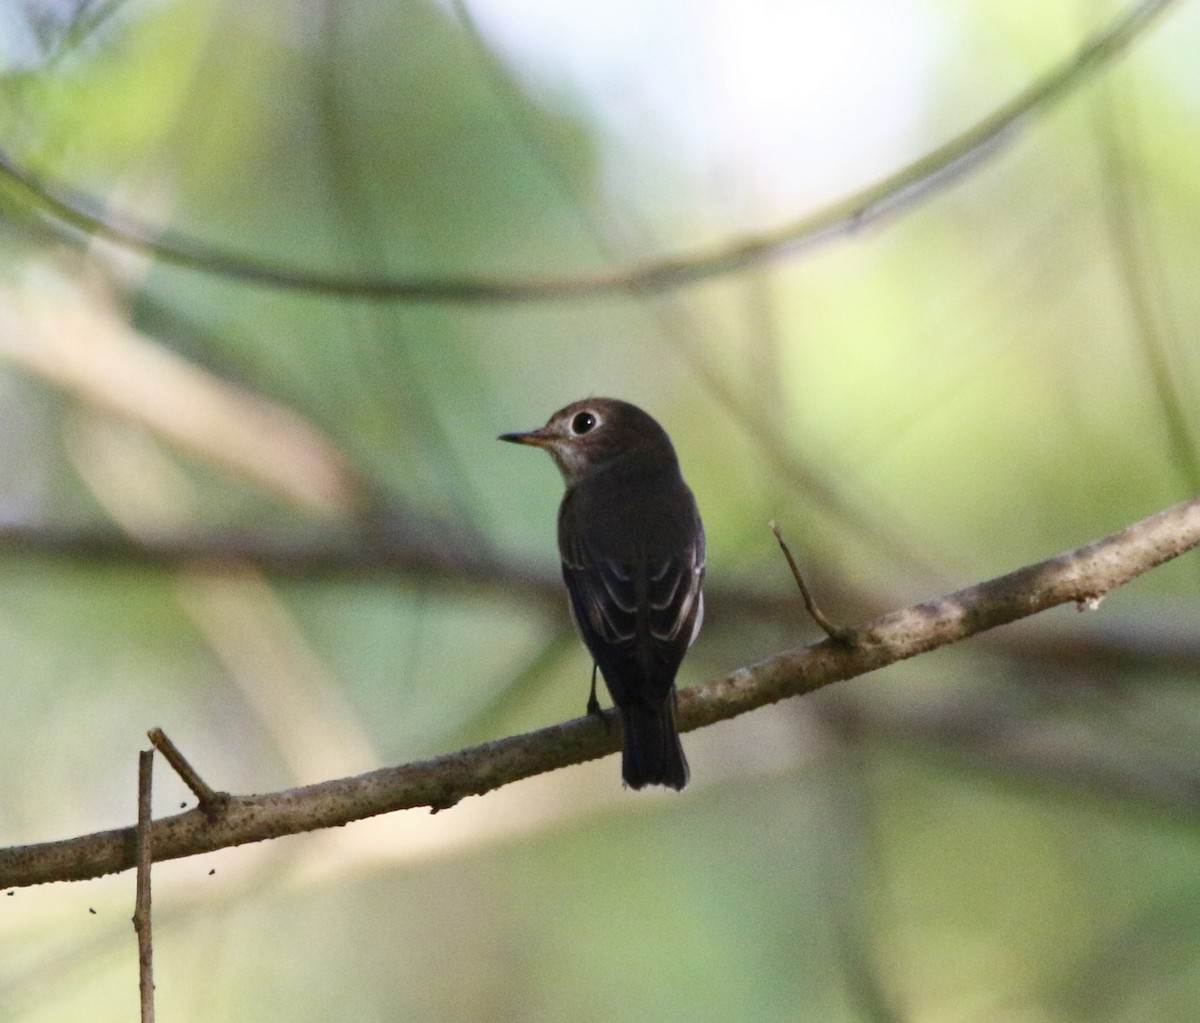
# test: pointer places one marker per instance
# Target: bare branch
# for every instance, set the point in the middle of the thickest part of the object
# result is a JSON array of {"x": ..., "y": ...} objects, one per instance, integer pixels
[
  {"x": 142, "y": 901},
  {"x": 73, "y": 216},
  {"x": 445, "y": 557},
  {"x": 432, "y": 550},
  {"x": 1082, "y": 576}
]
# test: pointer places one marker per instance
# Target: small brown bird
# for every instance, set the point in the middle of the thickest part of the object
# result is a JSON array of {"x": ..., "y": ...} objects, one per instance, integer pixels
[{"x": 632, "y": 548}]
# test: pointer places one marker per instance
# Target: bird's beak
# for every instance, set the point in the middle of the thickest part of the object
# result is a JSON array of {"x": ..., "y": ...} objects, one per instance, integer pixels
[{"x": 539, "y": 438}]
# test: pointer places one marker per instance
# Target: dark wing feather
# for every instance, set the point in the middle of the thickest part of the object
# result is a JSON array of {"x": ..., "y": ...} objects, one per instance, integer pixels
[
  {"x": 674, "y": 603},
  {"x": 637, "y": 619},
  {"x": 603, "y": 596}
]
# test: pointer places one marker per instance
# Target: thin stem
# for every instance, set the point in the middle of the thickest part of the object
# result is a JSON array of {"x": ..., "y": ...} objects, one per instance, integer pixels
[
  {"x": 142, "y": 907},
  {"x": 210, "y": 800},
  {"x": 834, "y": 632}
]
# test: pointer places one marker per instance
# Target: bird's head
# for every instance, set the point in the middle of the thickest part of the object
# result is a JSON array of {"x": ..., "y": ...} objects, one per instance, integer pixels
[{"x": 595, "y": 432}]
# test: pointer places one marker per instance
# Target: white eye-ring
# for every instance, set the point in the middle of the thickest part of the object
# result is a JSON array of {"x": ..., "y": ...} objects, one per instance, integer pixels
[{"x": 584, "y": 422}]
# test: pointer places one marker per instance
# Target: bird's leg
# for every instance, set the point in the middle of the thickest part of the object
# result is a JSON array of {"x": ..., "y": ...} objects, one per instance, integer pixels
[{"x": 593, "y": 705}]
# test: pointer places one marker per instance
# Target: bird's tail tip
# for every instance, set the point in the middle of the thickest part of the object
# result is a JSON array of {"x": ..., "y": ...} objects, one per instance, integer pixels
[{"x": 653, "y": 754}]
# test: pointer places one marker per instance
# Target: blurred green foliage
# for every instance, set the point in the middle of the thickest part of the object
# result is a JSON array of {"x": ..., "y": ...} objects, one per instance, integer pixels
[{"x": 972, "y": 380}]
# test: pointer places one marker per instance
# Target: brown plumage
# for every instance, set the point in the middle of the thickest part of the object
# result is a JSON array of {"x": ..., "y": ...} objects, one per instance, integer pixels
[{"x": 632, "y": 549}]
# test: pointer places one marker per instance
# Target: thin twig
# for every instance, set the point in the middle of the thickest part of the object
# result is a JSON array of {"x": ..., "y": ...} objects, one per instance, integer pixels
[
  {"x": 74, "y": 215},
  {"x": 141, "y": 909},
  {"x": 835, "y": 632},
  {"x": 210, "y": 800},
  {"x": 1077, "y": 576}
]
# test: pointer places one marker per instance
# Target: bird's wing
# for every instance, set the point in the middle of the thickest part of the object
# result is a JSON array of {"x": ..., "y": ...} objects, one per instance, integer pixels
[
  {"x": 674, "y": 602},
  {"x": 614, "y": 601},
  {"x": 603, "y": 596}
]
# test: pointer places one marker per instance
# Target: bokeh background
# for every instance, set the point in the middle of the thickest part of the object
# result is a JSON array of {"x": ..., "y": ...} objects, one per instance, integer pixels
[{"x": 274, "y": 520}]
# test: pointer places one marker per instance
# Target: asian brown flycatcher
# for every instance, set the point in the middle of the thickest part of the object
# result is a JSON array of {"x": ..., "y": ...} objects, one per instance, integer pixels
[{"x": 632, "y": 548}]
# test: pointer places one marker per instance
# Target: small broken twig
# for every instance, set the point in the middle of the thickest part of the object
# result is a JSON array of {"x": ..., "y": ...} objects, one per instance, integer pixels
[
  {"x": 835, "y": 632},
  {"x": 210, "y": 800}
]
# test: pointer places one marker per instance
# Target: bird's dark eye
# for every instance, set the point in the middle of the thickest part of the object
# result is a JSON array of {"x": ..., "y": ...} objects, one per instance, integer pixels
[{"x": 582, "y": 423}]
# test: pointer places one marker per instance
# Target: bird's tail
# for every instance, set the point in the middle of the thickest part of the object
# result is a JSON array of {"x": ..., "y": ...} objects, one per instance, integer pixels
[{"x": 653, "y": 754}]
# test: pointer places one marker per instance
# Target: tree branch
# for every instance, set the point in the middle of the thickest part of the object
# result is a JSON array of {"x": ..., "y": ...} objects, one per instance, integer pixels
[
  {"x": 142, "y": 911},
  {"x": 424, "y": 557},
  {"x": 1082, "y": 576},
  {"x": 73, "y": 216},
  {"x": 1005, "y": 732}
]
